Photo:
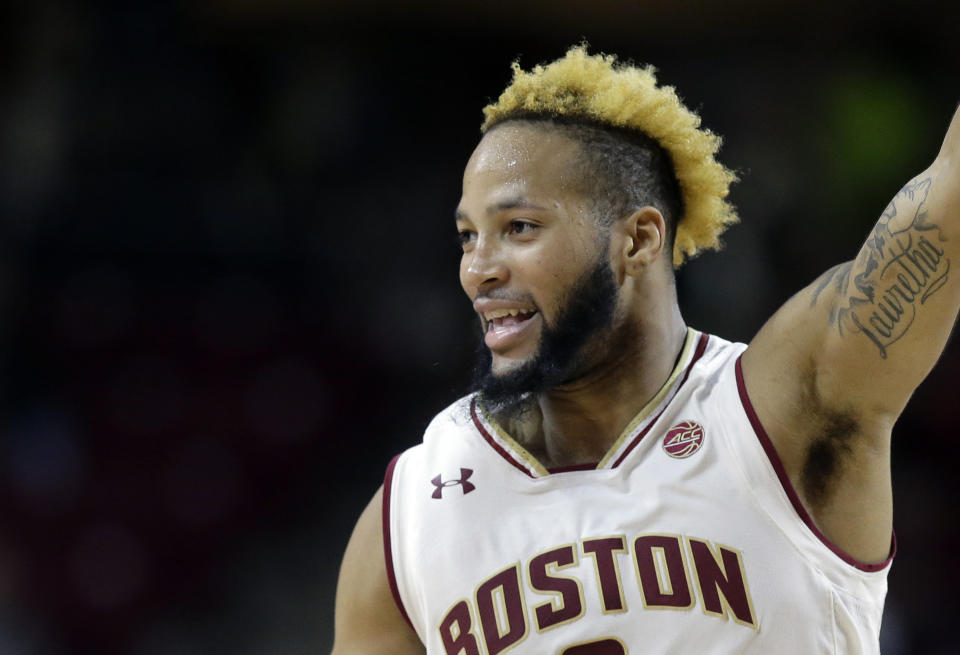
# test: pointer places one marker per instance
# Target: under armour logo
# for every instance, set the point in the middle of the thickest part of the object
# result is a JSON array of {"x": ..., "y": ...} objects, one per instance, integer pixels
[{"x": 440, "y": 483}]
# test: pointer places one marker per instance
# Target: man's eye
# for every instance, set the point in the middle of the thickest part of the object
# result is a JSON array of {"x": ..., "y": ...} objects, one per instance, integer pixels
[
  {"x": 522, "y": 227},
  {"x": 464, "y": 237}
]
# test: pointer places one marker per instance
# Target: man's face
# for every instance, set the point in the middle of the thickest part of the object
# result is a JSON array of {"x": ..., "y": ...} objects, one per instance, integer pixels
[{"x": 534, "y": 261}]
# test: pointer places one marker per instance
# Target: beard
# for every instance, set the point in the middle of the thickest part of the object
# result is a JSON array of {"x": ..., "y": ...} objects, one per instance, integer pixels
[{"x": 586, "y": 311}]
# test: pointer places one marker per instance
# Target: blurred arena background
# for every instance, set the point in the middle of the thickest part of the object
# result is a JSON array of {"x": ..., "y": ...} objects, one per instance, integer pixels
[{"x": 228, "y": 277}]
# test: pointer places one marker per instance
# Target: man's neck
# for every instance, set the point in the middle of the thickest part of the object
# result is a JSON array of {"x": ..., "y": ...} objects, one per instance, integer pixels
[{"x": 580, "y": 422}]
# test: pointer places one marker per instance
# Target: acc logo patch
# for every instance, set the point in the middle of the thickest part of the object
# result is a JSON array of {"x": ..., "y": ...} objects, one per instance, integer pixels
[{"x": 683, "y": 439}]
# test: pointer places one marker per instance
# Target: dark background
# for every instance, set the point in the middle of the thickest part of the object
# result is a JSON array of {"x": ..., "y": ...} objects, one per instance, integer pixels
[{"x": 229, "y": 293}]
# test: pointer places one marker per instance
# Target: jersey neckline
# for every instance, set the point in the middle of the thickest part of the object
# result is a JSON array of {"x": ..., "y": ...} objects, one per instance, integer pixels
[{"x": 520, "y": 458}]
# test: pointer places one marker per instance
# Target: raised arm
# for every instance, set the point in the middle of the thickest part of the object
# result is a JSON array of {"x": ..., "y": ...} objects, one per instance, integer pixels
[
  {"x": 367, "y": 619},
  {"x": 832, "y": 370}
]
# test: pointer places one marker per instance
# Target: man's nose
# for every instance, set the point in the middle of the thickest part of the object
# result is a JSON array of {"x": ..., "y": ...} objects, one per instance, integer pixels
[{"x": 486, "y": 266}]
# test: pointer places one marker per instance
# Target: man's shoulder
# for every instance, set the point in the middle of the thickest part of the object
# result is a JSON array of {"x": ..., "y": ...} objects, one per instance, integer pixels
[
  {"x": 449, "y": 423},
  {"x": 711, "y": 352},
  {"x": 447, "y": 438},
  {"x": 717, "y": 342},
  {"x": 459, "y": 413}
]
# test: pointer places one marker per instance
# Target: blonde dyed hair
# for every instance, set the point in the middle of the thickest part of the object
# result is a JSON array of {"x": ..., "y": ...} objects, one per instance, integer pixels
[{"x": 600, "y": 90}]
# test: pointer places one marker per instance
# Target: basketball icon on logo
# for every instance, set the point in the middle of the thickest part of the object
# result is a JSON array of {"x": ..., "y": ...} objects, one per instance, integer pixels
[{"x": 683, "y": 439}]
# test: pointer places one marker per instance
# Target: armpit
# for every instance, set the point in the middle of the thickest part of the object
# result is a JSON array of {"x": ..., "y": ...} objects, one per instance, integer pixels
[{"x": 826, "y": 456}]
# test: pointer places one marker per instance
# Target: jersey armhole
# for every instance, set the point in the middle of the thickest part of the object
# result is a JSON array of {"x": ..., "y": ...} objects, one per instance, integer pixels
[
  {"x": 387, "y": 542},
  {"x": 787, "y": 486}
]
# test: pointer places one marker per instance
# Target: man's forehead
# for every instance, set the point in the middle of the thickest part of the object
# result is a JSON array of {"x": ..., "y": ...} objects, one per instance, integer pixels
[
  {"x": 502, "y": 149},
  {"x": 512, "y": 145},
  {"x": 520, "y": 161}
]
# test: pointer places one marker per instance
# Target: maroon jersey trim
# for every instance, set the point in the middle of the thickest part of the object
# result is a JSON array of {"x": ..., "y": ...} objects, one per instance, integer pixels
[
  {"x": 781, "y": 472},
  {"x": 387, "y": 548},
  {"x": 701, "y": 348},
  {"x": 490, "y": 440}
]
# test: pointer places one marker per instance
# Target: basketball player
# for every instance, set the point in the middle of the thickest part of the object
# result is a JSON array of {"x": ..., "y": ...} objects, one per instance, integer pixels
[{"x": 620, "y": 482}]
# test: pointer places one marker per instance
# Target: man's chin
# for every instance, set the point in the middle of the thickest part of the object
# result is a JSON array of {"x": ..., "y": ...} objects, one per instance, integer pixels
[
  {"x": 502, "y": 367},
  {"x": 504, "y": 384}
]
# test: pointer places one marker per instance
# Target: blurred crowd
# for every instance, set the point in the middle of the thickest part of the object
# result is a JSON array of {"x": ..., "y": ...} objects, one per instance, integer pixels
[{"x": 229, "y": 294}]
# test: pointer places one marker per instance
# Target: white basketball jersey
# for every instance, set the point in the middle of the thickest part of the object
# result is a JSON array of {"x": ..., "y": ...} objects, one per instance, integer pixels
[{"x": 687, "y": 537}]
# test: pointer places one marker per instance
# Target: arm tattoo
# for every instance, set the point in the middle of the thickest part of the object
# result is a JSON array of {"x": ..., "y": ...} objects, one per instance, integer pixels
[
  {"x": 839, "y": 275},
  {"x": 899, "y": 268}
]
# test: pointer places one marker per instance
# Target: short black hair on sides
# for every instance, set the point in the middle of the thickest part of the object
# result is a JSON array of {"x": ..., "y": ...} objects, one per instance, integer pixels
[{"x": 621, "y": 170}]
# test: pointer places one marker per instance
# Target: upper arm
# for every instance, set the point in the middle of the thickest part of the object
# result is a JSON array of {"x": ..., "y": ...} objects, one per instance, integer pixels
[
  {"x": 890, "y": 311},
  {"x": 870, "y": 330},
  {"x": 367, "y": 620},
  {"x": 864, "y": 335}
]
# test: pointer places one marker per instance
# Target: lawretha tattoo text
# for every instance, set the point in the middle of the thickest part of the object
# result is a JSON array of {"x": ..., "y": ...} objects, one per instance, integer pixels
[{"x": 900, "y": 268}]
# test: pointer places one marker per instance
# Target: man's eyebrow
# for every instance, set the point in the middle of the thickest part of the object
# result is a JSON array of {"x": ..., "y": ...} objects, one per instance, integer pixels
[
  {"x": 513, "y": 203},
  {"x": 503, "y": 205}
]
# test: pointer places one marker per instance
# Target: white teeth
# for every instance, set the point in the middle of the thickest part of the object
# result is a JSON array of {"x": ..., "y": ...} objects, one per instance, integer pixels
[{"x": 500, "y": 313}]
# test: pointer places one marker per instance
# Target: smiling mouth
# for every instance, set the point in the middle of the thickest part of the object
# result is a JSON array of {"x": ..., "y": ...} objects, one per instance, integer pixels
[
  {"x": 508, "y": 319},
  {"x": 505, "y": 326}
]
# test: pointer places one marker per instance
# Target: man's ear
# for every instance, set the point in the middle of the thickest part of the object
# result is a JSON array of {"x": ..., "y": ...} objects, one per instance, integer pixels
[{"x": 639, "y": 240}]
